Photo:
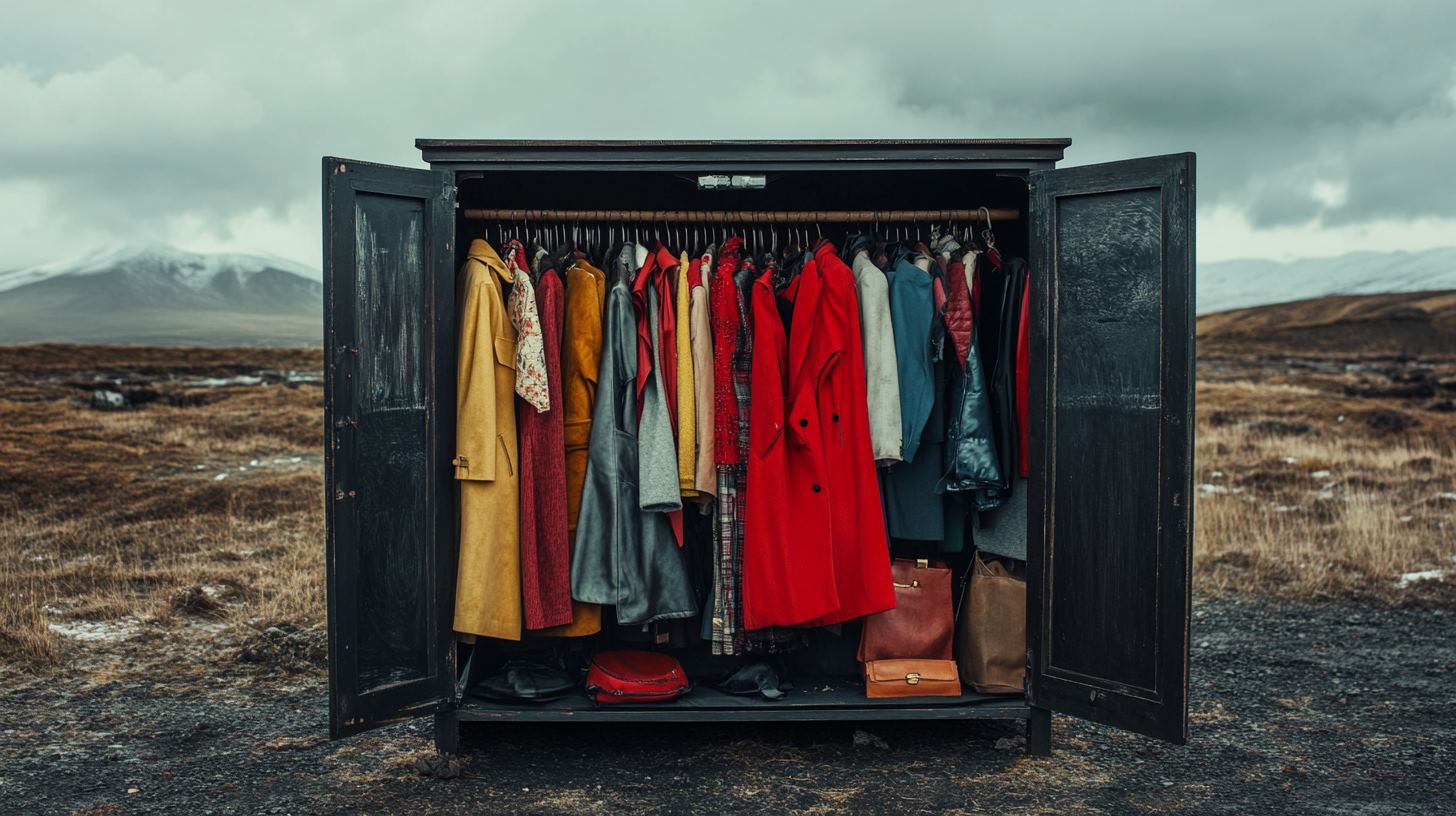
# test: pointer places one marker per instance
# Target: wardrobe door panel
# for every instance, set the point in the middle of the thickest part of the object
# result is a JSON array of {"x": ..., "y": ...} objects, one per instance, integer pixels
[
  {"x": 388, "y": 314},
  {"x": 1110, "y": 546}
]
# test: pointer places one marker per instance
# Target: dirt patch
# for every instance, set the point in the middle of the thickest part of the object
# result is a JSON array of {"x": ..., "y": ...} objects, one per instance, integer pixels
[
  {"x": 1388, "y": 421},
  {"x": 286, "y": 647},
  {"x": 1296, "y": 708}
]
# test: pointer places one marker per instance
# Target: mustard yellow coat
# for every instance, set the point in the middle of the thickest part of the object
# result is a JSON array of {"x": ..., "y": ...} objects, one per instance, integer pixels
[{"x": 488, "y": 581}]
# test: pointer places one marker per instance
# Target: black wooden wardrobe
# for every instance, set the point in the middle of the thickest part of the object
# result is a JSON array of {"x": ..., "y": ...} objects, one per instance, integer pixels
[{"x": 1111, "y": 250}]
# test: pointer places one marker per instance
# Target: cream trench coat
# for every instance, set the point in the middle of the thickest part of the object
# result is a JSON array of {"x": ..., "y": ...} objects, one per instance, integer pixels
[{"x": 488, "y": 581}]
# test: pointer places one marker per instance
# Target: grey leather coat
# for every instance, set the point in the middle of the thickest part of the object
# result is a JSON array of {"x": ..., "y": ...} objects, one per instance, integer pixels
[{"x": 623, "y": 556}]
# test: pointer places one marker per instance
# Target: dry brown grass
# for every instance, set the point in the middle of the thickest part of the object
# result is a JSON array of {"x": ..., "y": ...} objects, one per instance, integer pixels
[
  {"x": 115, "y": 523},
  {"x": 1304, "y": 491},
  {"x": 118, "y": 519}
]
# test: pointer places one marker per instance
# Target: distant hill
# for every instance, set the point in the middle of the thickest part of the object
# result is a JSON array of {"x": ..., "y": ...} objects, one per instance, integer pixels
[
  {"x": 1235, "y": 284},
  {"x": 1399, "y": 323},
  {"x": 162, "y": 295},
  {"x": 166, "y": 296}
]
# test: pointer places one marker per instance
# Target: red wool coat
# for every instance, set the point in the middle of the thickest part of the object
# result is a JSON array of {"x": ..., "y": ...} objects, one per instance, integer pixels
[
  {"x": 788, "y": 578},
  {"x": 829, "y": 362},
  {"x": 825, "y": 420},
  {"x": 545, "y": 544}
]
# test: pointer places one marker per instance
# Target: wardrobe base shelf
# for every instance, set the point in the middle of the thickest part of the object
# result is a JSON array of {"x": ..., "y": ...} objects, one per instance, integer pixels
[{"x": 809, "y": 701}]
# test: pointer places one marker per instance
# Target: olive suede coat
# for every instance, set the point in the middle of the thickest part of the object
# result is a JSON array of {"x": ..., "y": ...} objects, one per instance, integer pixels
[{"x": 488, "y": 578}]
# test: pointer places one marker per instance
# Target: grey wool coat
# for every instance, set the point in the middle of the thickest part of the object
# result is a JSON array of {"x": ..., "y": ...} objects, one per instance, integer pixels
[
  {"x": 882, "y": 375},
  {"x": 623, "y": 556}
]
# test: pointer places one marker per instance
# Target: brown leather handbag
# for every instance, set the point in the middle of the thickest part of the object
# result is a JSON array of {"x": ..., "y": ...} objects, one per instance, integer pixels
[
  {"x": 991, "y": 635},
  {"x": 913, "y": 677},
  {"x": 907, "y": 650},
  {"x": 922, "y": 624}
]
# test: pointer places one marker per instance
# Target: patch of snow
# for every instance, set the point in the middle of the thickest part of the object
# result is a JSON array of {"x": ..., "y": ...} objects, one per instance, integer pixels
[
  {"x": 1444, "y": 497},
  {"x": 1217, "y": 474},
  {"x": 253, "y": 463},
  {"x": 1320, "y": 474},
  {"x": 1213, "y": 488},
  {"x": 222, "y": 382},
  {"x": 1289, "y": 460},
  {"x": 1410, "y": 578},
  {"x": 1283, "y": 508},
  {"x": 296, "y": 459},
  {"x": 1405, "y": 519},
  {"x": 96, "y": 631},
  {"x": 219, "y": 477},
  {"x": 1326, "y": 494}
]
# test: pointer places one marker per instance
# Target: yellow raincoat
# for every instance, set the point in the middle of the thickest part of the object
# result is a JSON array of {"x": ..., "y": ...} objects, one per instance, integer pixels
[{"x": 488, "y": 582}]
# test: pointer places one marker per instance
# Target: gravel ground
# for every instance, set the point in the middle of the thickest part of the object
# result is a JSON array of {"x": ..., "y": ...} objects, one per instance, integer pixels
[{"x": 1297, "y": 708}]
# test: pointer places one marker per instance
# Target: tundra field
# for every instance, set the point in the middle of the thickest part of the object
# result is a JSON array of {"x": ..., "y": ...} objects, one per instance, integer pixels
[{"x": 162, "y": 618}]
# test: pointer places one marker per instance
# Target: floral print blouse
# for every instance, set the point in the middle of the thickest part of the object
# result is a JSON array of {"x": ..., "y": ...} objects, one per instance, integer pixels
[{"x": 530, "y": 348}]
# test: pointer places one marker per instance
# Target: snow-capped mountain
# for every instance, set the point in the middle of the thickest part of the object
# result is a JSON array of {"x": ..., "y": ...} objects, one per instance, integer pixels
[
  {"x": 160, "y": 294},
  {"x": 1235, "y": 284}
]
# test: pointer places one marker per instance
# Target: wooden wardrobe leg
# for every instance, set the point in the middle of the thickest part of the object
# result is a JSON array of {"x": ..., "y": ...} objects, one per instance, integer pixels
[
  {"x": 1039, "y": 732},
  {"x": 447, "y": 733}
]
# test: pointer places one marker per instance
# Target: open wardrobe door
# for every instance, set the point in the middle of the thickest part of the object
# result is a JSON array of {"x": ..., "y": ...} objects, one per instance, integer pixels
[
  {"x": 388, "y": 299},
  {"x": 1110, "y": 504}
]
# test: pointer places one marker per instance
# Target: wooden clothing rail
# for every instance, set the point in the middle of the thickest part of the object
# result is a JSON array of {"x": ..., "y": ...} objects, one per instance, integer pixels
[{"x": 745, "y": 216}]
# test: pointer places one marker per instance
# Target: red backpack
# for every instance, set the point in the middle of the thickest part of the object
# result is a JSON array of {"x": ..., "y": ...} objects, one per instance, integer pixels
[{"x": 632, "y": 676}]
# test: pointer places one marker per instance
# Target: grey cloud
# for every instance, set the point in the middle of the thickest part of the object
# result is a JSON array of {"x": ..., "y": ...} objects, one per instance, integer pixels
[{"x": 164, "y": 111}]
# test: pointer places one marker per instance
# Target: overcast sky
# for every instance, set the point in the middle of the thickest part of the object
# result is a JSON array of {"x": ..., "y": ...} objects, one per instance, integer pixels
[{"x": 202, "y": 123}]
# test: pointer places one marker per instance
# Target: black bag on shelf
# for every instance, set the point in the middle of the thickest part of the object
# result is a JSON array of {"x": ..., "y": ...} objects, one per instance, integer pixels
[{"x": 525, "y": 681}]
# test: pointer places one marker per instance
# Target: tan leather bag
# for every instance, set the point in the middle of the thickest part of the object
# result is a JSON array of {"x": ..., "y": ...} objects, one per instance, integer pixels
[
  {"x": 991, "y": 633},
  {"x": 911, "y": 678},
  {"x": 922, "y": 624}
]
